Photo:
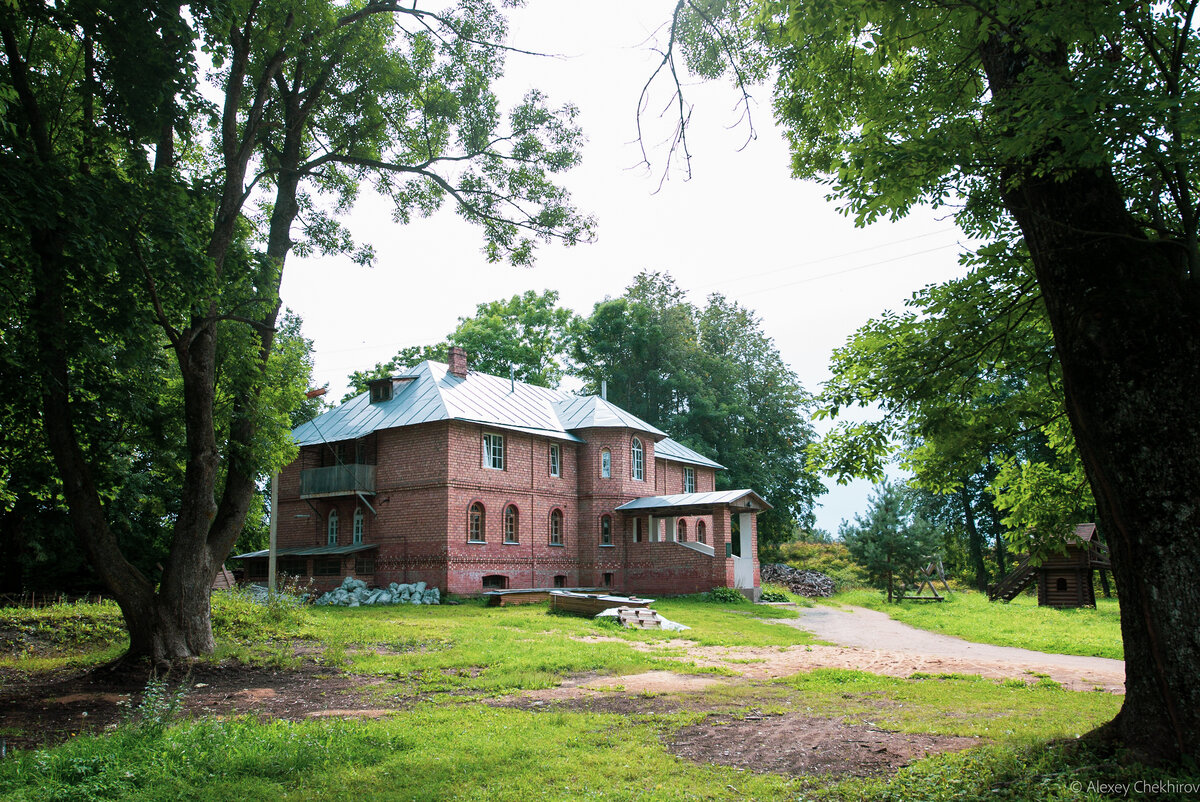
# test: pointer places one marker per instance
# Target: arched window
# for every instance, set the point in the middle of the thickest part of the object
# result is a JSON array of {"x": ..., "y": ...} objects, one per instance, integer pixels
[
  {"x": 359, "y": 523},
  {"x": 332, "y": 530},
  {"x": 475, "y": 523},
  {"x": 637, "y": 458},
  {"x": 701, "y": 533},
  {"x": 606, "y": 530},
  {"x": 682, "y": 530},
  {"x": 511, "y": 532},
  {"x": 606, "y": 464},
  {"x": 556, "y": 528}
]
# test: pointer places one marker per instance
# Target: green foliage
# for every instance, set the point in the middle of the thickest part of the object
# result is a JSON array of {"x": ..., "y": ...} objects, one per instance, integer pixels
[
  {"x": 891, "y": 541},
  {"x": 238, "y": 615},
  {"x": 831, "y": 559},
  {"x": 527, "y": 333},
  {"x": 725, "y": 596},
  {"x": 772, "y": 596}
]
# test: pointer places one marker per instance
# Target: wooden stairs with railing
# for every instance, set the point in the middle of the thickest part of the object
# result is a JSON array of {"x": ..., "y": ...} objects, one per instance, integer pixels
[{"x": 1012, "y": 584}]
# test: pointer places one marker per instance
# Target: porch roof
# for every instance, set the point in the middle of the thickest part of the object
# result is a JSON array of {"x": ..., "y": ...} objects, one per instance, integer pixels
[
  {"x": 697, "y": 503},
  {"x": 307, "y": 551}
]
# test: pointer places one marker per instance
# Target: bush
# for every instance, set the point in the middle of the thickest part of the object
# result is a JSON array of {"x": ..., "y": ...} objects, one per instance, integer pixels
[
  {"x": 831, "y": 559},
  {"x": 725, "y": 596},
  {"x": 772, "y": 596}
]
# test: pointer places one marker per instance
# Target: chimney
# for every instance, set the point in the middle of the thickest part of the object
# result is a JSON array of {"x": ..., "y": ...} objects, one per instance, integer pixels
[{"x": 458, "y": 361}]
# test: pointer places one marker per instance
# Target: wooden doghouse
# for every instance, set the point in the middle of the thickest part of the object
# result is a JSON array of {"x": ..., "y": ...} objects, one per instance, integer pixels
[{"x": 1064, "y": 580}]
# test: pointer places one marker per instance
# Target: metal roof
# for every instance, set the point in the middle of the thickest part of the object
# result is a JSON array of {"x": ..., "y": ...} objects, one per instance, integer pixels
[
  {"x": 677, "y": 451},
  {"x": 430, "y": 392},
  {"x": 588, "y": 411},
  {"x": 307, "y": 551},
  {"x": 732, "y": 498}
]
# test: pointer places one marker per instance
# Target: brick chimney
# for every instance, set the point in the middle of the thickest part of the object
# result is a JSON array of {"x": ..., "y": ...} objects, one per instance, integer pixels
[{"x": 458, "y": 361}]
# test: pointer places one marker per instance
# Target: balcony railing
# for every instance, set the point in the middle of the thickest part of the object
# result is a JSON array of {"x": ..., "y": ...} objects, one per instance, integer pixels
[{"x": 337, "y": 480}]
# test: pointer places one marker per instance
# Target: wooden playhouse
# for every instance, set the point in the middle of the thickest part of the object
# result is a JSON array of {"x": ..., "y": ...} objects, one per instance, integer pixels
[{"x": 1063, "y": 580}]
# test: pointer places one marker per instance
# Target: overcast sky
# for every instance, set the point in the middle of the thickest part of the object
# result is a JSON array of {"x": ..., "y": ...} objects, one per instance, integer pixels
[{"x": 740, "y": 226}]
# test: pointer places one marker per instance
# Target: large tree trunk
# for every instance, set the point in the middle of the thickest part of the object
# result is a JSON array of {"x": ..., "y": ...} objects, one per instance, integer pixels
[
  {"x": 1127, "y": 329},
  {"x": 1126, "y": 318}
]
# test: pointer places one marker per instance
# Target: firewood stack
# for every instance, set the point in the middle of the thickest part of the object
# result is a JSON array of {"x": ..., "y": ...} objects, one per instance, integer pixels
[{"x": 802, "y": 583}]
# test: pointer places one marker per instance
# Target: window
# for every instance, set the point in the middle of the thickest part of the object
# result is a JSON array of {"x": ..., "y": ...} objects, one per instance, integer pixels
[
  {"x": 364, "y": 565},
  {"x": 475, "y": 523},
  {"x": 560, "y": 581},
  {"x": 606, "y": 464},
  {"x": 292, "y": 566},
  {"x": 689, "y": 480},
  {"x": 608, "y": 580},
  {"x": 332, "y": 530},
  {"x": 359, "y": 523},
  {"x": 493, "y": 451},
  {"x": 360, "y": 452},
  {"x": 555, "y": 460},
  {"x": 637, "y": 457},
  {"x": 556, "y": 528},
  {"x": 511, "y": 533},
  {"x": 381, "y": 390},
  {"x": 327, "y": 566},
  {"x": 256, "y": 569},
  {"x": 606, "y": 530},
  {"x": 701, "y": 534},
  {"x": 682, "y": 531},
  {"x": 495, "y": 582}
]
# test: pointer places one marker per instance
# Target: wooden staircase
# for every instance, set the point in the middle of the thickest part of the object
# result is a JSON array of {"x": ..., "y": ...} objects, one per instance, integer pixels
[{"x": 1020, "y": 578}]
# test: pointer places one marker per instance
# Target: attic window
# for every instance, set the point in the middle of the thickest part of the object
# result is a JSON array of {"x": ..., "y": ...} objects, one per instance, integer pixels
[{"x": 381, "y": 390}]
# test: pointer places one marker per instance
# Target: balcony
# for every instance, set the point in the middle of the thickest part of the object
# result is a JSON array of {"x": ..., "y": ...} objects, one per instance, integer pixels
[{"x": 337, "y": 480}]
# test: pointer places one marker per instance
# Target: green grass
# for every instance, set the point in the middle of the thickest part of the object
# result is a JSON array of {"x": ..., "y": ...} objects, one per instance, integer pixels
[
  {"x": 997, "y": 710},
  {"x": 448, "y": 745},
  {"x": 1083, "y": 631}
]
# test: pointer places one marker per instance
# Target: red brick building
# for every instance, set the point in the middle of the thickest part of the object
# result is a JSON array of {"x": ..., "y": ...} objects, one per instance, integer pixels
[{"x": 471, "y": 482}]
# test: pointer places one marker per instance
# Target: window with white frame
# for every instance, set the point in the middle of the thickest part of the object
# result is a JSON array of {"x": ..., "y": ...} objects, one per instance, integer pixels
[
  {"x": 556, "y": 528},
  {"x": 606, "y": 464},
  {"x": 493, "y": 451},
  {"x": 511, "y": 532},
  {"x": 475, "y": 523},
  {"x": 555, "y": 460},
  {"x": 606, "y": 530},
  {"x": 681, "y": 530},
  {"x": 689, "y": 479},
  {"x": 331, "y": 532},
  {"x": 638, "y": 460},
  {"x": 359, "y": 524},
  {"x": 701, "y": 532}
]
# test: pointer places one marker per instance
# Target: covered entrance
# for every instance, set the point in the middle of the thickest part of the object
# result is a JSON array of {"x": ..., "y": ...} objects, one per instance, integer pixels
[{"x": 720, "y": 550}]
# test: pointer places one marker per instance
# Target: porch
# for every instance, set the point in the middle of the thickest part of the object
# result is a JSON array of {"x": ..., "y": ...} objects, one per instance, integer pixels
[{"x": 723, "y": 554}]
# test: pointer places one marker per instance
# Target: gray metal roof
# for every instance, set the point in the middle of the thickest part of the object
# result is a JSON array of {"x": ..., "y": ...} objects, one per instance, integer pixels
[
  {"x": 677, "y": 451},
  {"x": 587, "y": 411},
  {"x": 733, "y": 498},
  {"x": 432, "y": 393},
  {"x": 307, "y": 551}
]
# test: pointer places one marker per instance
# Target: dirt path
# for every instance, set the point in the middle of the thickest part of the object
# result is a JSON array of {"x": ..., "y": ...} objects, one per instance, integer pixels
[{"x": 881, "y": 640}]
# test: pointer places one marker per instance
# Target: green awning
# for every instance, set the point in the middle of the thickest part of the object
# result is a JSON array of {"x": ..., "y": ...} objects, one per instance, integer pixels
[{"x": 307, "y": 551}]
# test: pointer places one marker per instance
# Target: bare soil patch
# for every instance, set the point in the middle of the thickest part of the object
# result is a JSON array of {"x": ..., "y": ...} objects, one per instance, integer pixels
[
  {"x": 42, "y": 714},
  {"x": 793, "y": 744}
]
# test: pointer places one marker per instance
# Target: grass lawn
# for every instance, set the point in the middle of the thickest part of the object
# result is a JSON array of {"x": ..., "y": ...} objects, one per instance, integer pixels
[
  {"x": 456, "y": 736},
  {"x": 969, "y": 615}
]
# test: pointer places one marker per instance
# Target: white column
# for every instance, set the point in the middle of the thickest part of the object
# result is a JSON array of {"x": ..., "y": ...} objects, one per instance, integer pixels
[
  {"x": 274, "y": 534},
  {"x": 672, "y": 529}
]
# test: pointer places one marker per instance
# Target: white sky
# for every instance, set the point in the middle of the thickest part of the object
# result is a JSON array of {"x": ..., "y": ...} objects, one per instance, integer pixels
[{"x": 740, "y": 226}]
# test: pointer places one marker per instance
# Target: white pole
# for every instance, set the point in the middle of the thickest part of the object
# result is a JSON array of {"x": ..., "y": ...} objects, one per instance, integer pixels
[{"x": 274, "y": 529}]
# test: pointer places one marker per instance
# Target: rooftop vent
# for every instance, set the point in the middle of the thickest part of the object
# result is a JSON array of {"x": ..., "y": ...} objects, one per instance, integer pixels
[{"x": 381, "y": 390}]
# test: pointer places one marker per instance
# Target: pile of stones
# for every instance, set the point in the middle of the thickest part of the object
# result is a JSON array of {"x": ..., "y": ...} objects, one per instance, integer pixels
[
  {"x": 355, "y": 593},
  {"x": 802, "y": 583}
]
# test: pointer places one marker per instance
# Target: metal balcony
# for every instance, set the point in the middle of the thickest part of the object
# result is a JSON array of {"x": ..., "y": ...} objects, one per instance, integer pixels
[{"x": 337, "y": 480}]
